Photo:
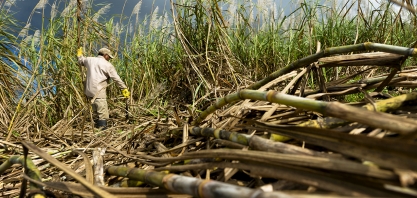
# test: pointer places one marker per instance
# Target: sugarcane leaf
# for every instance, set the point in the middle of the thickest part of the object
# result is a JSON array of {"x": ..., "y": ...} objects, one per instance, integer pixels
[
  {"x": 385, "y": 152},
  {"x": 94, "y": 189}
]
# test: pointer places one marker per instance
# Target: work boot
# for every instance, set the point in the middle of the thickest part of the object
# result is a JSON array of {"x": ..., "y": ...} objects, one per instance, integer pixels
[{"x": 101, "y": 124}]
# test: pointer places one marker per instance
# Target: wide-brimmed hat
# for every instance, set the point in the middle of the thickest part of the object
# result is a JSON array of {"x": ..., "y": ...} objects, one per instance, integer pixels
[{"x": 105, "y": 51}]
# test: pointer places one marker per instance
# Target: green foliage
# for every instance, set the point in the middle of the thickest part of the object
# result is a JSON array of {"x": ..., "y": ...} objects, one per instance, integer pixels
[
  {"x": 177, "y": 60},
  {"x": 357, "y": 97}
]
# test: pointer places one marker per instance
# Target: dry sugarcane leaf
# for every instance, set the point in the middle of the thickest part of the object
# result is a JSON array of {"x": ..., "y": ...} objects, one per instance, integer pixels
[
  {"x": 385, "y": 152},
  {"x": 89, "y": 174},
  {"x": 384, "y": 83},
  {"x": 347, "y": 78},
  {"x": 294, "y": 159},
  {"x": 375, "y": 58},
  {"x": 247, "y": 104},
  {"x": 188, "y": 142},
  {"x": 407, "y": 177},
  {"x": 94, "y": 189}
]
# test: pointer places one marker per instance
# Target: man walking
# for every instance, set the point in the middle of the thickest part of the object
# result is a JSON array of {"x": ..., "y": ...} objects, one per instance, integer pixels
[{"x": 99, "y": 71}]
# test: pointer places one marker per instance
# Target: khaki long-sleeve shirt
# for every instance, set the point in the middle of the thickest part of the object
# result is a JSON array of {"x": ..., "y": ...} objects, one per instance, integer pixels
[{"x": 99, "y": 71}]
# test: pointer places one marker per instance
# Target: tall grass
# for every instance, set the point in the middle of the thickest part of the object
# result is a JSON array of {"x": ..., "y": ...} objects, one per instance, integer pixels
[
  {"x": 186, "y": 57},
  {"x": 10, "y": 78}
]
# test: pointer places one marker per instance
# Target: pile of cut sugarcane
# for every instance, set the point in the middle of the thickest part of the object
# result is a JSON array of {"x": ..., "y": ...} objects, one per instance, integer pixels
[{"x": 280, "y": 137}]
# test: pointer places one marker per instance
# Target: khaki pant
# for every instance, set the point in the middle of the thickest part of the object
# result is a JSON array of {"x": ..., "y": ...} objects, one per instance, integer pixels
[{"x": 100, "y": 109}]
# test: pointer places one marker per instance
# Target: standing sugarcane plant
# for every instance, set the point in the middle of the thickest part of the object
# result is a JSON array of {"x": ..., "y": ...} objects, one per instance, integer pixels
[
  {"x": 219, "y": 45},
  {"x": 12, "y": 71}
]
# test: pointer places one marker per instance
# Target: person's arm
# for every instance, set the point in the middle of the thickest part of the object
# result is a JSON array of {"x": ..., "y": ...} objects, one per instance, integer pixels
[
  {"x": 81, "y": 60},
  {"x": 116, "y": 78},
  {"x": 113, "y": 75}
]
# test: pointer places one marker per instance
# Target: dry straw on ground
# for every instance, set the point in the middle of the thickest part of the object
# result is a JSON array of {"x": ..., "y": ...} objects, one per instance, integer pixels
[
  {"x": 338, "y": 121},
  {"x": 330, "y": 149}
]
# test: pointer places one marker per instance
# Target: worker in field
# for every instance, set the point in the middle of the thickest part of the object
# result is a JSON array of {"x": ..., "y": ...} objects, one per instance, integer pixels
[{"x": 99, "y": 72}]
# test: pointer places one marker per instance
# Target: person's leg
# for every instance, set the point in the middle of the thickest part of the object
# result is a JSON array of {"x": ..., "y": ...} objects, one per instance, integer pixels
[
  {"x": 95, "y": 114},
  {"x": 102, "y": 112}
]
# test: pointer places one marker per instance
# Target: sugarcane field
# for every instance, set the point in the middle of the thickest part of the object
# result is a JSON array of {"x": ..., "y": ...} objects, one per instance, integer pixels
[{"x": 208, "y": 98}]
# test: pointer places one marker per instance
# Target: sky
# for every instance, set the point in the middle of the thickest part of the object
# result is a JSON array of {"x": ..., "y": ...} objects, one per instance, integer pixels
[{"x": 23, "y": 8}]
